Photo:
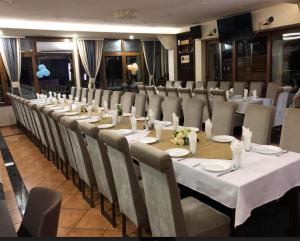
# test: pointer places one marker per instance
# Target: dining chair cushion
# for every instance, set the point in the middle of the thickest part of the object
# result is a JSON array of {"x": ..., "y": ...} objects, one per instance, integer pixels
[
  {"x": 192, "y": 112},
  {"x": 140, "y": 104}
]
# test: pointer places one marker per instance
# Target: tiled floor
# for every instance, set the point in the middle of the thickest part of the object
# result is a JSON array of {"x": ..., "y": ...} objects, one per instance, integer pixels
[{"x": 77, "y": 219}]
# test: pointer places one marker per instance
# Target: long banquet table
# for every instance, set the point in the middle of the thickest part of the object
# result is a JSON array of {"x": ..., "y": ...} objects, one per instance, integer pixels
[{"x": 261, "y": 178}]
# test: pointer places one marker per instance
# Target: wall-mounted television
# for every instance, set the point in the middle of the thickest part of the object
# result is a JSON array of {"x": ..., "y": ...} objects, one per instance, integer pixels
[{"x": 235, "y": 28}]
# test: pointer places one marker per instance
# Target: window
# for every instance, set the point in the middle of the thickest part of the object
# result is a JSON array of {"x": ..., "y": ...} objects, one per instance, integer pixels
[
  {"x": 27, "y": 77},
  {"x": 113, "y": 70},
  {"x": 285, "y": 59}
]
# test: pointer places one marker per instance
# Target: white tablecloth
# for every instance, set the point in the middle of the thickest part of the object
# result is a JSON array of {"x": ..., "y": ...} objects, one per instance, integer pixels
[
  {"x": 261, "y": 179},
  {"x": 242, "y": 104}
]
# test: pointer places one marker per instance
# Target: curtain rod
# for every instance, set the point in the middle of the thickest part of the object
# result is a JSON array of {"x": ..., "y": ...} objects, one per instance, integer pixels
[{"x": 12, "y": 37}]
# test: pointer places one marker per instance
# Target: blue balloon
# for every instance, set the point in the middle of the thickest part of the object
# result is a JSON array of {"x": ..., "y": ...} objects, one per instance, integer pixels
[
  {"x": 39, "y": 74},
  {"x": 46, "y": 72},
  {"x": 41, "y": 67}
]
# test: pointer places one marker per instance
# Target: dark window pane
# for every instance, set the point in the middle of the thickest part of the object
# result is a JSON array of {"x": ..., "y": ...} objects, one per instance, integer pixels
[
  {"x": 26, "y": 45},
  {"x": 112, "y": 46},
  {"x": 213, "y": 58},
  {"x": 226, "y": 63},
  {"x": 114, "y": 71},
  {"x": 132, "y": 46},
  {"x": 26, "y": 78}
]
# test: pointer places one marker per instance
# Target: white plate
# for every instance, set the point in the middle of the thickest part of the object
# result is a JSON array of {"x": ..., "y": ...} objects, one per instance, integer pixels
[
  {"x": 123, "y": 132},
  {"x": 105, "y": 126},
  {"x": 223, "y": 138},
  {"x": 216, "y": 165},
  {"x": 71, "y": 113},
  {"x": 148, "y": 140},
  {"x": 177, "y": 152},
  {"x": 91, "y": 119},
  {"x": 62, "y": 110},
  {"x": 266, "y": 149},
  {"x": 80, "y": 117},
  {"x": 165, "y": 123},
  {"x": 141, "y": 118},
  {"x": 126, "y": 114}
]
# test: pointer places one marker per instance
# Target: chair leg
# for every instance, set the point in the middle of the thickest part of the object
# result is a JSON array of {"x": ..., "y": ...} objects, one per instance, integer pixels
[
  {"x": 112, "y": 218},
  {"x": 124, "y": 226},
  {"x": 140, "y": 231},
  {"x": 67, "y": 170}
]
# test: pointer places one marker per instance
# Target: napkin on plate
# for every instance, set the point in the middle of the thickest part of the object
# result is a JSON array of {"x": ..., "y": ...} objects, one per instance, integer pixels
[
  {"x": 158, "y": 129},
  {"x": 193, "y": 141},
  {"x": 71, "y": 97},
  {"x": 114, "y": 117},
  {"x": 175, "y": 121},
  {"x": 133, "y": 123},
  {"x": 50, "y": 94},
  {"x": 64, "y": 96},
  {"x": 236, "y": 147},
  {"x": 231, "y": 91},
  {"x": 208, "y": 128},
  {"x": 245, "y": 93},
  {"x": 100, "y": 113},
  {"x": 247, "y": 136},
  {"x": 254, "y": 94},
  {"x": 133, "y": 111},
  {"x": 105, "y": 105},
  {"x": 89, "y": 110},
  {"x": 227, "y": 94}
]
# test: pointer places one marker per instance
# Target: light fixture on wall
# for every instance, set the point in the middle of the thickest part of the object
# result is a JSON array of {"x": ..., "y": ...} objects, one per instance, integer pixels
[
  {"x": 1, "y": 33},
  {"x": 212, "y": 32},
  {"x": 268, "y": 21},
  {"x": 131, "y": 37}
]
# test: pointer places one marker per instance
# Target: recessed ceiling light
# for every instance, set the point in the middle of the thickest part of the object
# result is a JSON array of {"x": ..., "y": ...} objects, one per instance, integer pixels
[{"x": 131, "y": 37}]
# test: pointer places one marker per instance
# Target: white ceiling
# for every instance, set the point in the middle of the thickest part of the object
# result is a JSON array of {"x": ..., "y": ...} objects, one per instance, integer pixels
[{"x": 149, "y": 13}]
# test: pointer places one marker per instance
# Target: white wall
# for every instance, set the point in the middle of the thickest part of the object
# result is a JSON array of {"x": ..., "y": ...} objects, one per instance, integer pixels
[
  {"x": 7, "y": 116},
  {"x": 284, "y": 14}
]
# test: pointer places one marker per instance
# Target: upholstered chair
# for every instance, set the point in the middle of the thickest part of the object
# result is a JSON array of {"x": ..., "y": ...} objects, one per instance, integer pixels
[
  {"x": 127, "y": 101},
  {"x": 78, "y": 93},
  {"x": 106, "y": 95},
  {"x": 169, "y": 84},
  {"x": 155, "y": 102},
  {"x": 199, "y": 84},
  {"x": 150, "y": 90},
  {"x": 290, "y": 133},
  {"x": 177, "y": 84},
  {"x": 259, "y": 119},
  {"x": 211, "y": 84},
  {"x": 185, "y": 94},
  {"x": 90, "y": 96},
  {"x": 225, "y": 85},
  {"x": 98, "y": 97},
  {"x": 238, "y": 87},
  {"x": 115, "y": 99},
  {"x": 202, "y": 94},
  {"x": 130, "y": 196},
  {"x": 223, "y": 118},
  {"x": 192, "y": 112},
  {"x": 172, "y": 92},
  {"x": 259, "y": 87},
  {"x": 102, "y": 169},
  {"x": 169, "y": 106},
  {"x": 142, "y": 89},
  {"x": 73, "y": 91},
  {"x": 41, "y": 215},
  {"x": 169, "y": 216},
  {"x": 83, "y": 161},
  {"x": 161, "y": 91},
  {"x": 281, "y": 102},
  {"x": 140, "y": 104},
  {"x": 190, "y": 85},
  {"x": 84, "y": 93}
]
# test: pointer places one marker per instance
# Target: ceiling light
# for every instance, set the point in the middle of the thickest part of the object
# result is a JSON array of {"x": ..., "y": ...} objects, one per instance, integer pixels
[
  {"x": 291, "y": 34},
  {"x": 291, "y": 38},
  {"x": 131, "y": 37},
  {"x": 82, "y": 27}
]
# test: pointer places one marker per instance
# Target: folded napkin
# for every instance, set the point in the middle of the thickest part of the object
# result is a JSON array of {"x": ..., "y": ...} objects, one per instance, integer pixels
[
  {"x": 64, "y": 96},
  {"x": 89, "y": 110},
  {"x": 50, "y": 94},
  {"x": 84, "y": 101},
  {"x": 71, "y": 97},
  {"x": 70, "y": 104},
  {"x": 94, "y": 104},
  {"x": 100, "y": 113},
  {"x": 236, "y": 147},
  {"x": 227, "y": 94},
  {"x": 133, "y": 123},
  {"x": 158, "y": 129},
  {"x": 105, "y": 105},
  {"x": 193, "y": 141},
  {"x": 247, "y": 136},
  {"x": 133, "y": 111},
  {"x": 114, "y": 117},
  {"x": 151, "y": 116},
  {"x": 37, "y": 95},
  {"x": 245, "y": 93},
  {"x": 231, "y": 91},
  {"x": 78, "y": 107},
  {"x": 208, "y": 128},
  {"x": 140, "y": 134},
  {"x": 175, "y": 121},
  {"x": 254, "y": 94},
  {"x": 76, "y": 99},
  {"x": 59, "y": 95},
  {"x": 54, "y": 94}
]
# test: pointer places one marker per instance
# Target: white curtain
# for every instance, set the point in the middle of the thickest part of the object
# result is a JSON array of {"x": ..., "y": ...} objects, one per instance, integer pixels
[
  {"x": 149, "y": 54},
  {"x": 10, "y": 49},
  {"x": 90, "y": 52}
]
